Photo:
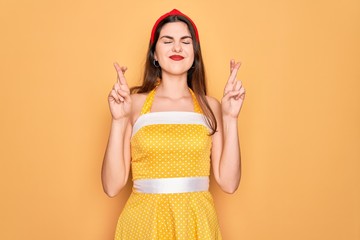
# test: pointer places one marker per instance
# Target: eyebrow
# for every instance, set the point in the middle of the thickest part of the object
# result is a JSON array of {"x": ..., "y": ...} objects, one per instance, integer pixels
[{"x": 184, "y": 37}]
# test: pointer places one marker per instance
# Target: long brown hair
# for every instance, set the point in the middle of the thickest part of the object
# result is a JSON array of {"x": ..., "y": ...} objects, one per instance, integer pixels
[{"x": 196, "y": 80}]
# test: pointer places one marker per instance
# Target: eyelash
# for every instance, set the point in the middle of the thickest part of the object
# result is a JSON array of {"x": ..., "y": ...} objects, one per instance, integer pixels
[{"x": 182, "y": 42}]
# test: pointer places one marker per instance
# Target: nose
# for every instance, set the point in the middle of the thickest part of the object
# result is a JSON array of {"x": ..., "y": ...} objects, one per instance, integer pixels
[{"x": 177, "y": 47}]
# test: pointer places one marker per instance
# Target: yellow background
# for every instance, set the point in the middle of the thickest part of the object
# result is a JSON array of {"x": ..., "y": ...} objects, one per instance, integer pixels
[{"x": 299, "y": 127}]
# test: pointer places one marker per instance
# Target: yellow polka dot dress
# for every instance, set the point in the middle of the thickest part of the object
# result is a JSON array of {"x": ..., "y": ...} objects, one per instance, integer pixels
[{"x": 169, "y": 145}]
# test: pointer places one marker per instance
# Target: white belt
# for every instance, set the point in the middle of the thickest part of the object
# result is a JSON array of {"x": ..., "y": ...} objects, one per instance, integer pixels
[{"x": 172, "y": 185}]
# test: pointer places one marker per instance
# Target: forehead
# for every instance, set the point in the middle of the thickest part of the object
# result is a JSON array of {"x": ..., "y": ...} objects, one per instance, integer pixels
[{"x": 175, "y": 29}]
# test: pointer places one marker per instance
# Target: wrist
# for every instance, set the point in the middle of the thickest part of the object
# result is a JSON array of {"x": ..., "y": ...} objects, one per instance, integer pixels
[
  {"x": 120, "y": 122},
  {"x": 229, "y": 123},
  {"x": 229, "y": 119}
]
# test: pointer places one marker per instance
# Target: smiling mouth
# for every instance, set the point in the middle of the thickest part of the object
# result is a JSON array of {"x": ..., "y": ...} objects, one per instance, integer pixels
[{"x": 177, "y": 57}]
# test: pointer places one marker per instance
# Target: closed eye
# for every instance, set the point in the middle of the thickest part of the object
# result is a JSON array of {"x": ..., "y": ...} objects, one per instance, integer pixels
[{"x": 169, "y": 39}]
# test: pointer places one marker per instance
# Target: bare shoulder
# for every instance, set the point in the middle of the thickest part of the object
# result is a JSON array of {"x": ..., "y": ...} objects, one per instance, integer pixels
[
  {"x": 138, "y": 100},
  {"x": 215, "y": 106},
  {"x": 214, "y": 103}
]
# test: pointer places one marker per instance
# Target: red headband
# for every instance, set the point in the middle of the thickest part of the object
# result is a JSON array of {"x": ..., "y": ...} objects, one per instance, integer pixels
[{"x": 174, "y": 12}]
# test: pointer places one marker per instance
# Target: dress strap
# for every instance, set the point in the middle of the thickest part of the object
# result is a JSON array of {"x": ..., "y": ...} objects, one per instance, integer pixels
[
  {"x": 148, "y": 102},
  {"x": 197, "y": 107},
  {"x": 150, "y": 98}
]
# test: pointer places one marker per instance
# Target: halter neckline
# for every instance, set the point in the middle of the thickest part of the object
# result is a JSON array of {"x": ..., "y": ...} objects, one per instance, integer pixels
[{"x": 150, "y": 98}]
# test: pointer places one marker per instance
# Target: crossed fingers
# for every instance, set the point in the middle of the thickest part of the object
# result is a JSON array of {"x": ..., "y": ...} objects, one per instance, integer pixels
[
  {"x": 120, "y": 91},
  {"x": 233, "y": 86}
]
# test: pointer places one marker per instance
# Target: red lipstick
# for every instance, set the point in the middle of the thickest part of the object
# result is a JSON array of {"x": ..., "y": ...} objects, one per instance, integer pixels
[{"x": 177, "y": 57}]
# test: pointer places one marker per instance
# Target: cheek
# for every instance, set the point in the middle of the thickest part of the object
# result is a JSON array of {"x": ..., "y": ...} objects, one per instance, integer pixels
[
  {"x": 191, "y": 58},
  {"x": 191, "y": 52},
  {"x": 159, "y": 52}
]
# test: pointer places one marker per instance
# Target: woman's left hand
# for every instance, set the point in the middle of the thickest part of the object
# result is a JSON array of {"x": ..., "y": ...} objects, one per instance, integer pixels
[{"x": 234, "y": 93}]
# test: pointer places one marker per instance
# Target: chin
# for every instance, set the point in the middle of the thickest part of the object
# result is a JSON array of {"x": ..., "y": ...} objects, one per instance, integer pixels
[
  {"x": 176, "y": 70},
  {"x": 177, "y": 73}
]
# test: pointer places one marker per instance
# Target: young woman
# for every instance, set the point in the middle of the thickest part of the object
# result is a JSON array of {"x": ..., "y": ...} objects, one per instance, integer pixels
[{"x": 170, "y": 132}]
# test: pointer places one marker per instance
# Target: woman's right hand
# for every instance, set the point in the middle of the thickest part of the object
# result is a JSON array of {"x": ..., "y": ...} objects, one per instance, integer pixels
[{"x": 119, "y": 97}]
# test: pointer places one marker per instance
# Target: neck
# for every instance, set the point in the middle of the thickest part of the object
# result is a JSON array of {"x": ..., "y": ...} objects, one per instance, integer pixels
[{"x": 174, "y": 86}]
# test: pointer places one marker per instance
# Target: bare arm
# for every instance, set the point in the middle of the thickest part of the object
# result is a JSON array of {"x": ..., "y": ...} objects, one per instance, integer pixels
[
  {"x": 225, "y": 155},
  {"x": 116, "y": 163}
]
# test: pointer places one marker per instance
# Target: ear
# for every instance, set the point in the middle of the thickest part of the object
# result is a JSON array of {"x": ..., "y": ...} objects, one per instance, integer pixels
[{"x": 155, "y": 56}]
